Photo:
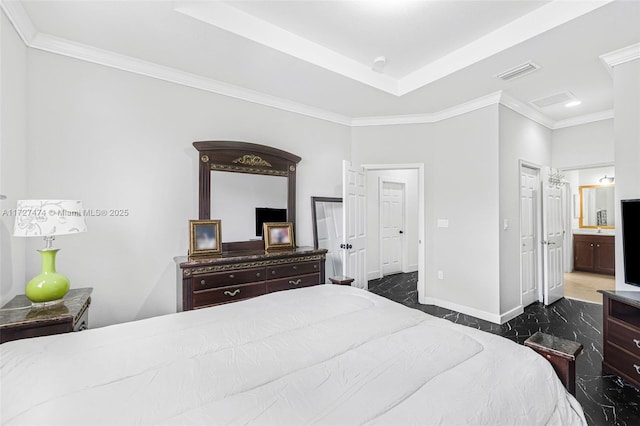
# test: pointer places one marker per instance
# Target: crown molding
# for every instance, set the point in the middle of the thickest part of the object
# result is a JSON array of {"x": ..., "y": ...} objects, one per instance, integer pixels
[
  {"x": 460, "y": 109},
  {"x": 620, "y": 56},
  {"x": 19, "y": 19},
  {"x": 525, "y": 110},
  {"x": 32, "y": 38},
  {"x": 137, "y": 66},
  {"x": 584, "y": 119}
]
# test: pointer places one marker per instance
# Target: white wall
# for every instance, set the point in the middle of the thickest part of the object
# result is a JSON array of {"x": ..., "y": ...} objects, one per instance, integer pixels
[
  {"x": 626, "y": 87},
  {"x": 583, "y": 145},
  {"x": 13, "y": 157},
  {"x": 521, "y": 139},
  {"x": 117, "y": 140},
  {"x": 410, "y": 177},
  {"x": 460, "y": 155}
]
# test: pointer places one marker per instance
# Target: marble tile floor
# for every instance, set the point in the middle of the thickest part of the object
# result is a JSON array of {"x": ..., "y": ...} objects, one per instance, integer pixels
[{"x": 606, "y": 399}]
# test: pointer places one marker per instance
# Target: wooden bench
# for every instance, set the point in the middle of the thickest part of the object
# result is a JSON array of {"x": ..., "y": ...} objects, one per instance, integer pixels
[
  {"x": 341, "y": 280},
  {"x": 561, "y": 353}
]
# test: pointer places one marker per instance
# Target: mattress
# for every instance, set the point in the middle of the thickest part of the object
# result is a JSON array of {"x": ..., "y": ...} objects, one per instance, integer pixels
[{"x": 326, "y": 354}]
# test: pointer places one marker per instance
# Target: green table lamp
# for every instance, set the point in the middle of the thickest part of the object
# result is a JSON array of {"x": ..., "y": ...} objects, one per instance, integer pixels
[{"x": 48, "y": 218}]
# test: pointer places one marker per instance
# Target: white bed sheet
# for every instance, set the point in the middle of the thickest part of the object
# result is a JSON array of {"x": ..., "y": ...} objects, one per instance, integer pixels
[{"x": 319, "y": 355}]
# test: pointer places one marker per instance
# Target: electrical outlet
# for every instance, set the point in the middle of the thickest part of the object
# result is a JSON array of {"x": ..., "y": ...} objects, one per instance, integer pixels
[{"x": 440, "y": 275}]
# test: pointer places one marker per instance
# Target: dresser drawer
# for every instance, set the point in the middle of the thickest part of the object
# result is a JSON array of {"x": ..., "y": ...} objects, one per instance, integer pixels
[
  {"x": 227, "y": 294},
  {"x": 223, "y": 279},
  {"x": 293, "y": 282},
  {"x": 623, "y": 362},
  {"x": 281, "y": 271},
  {"x": 626, "y": 337}
]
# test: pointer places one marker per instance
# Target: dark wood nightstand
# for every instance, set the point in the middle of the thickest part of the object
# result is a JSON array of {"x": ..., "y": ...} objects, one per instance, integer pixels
[
  {"x": 19, "y": 319},
  {"x": 561, "y": 353}
]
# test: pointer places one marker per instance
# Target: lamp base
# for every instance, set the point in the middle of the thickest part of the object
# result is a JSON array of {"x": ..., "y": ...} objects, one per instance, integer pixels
[{"x": 48, "y": 286}]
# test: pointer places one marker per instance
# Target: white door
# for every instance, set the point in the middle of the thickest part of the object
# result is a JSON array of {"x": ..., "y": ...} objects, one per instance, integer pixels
[
  {"x": 354, "y": 247},
  {"x": 391, "y": 226},
  {"x": 553, "y": 244},
  {"x": 528, "y": 235}
]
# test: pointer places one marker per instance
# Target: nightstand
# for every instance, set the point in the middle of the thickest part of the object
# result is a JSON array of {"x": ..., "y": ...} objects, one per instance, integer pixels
[{"x": 19, "y": 319}]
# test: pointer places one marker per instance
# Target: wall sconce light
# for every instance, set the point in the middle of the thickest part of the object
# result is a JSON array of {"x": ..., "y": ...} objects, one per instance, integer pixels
[{"x": 607, "y": 179}]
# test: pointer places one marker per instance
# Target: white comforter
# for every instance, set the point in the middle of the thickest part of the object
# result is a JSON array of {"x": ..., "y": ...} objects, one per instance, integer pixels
[{"x": 324, "y": 355}]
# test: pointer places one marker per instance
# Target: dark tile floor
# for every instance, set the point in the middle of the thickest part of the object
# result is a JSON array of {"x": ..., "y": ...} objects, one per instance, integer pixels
[{"x": 606, "y": 399}]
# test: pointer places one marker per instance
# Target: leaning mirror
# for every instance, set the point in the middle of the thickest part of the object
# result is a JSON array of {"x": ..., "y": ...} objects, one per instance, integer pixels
[
  {"x": 597, "y": 206},
  {"x": 327, "y": 231}
]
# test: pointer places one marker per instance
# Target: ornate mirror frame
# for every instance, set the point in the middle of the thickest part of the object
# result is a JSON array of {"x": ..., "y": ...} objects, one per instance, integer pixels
[{"x": 243, "y": 157}]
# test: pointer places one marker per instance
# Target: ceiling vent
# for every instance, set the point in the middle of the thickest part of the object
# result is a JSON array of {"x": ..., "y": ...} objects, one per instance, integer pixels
[
  {"x": 519, "y": 71},
  {"x": 558, "y": 98}
]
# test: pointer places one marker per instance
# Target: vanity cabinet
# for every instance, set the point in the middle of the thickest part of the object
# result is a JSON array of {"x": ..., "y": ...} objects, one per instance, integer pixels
[
  {"x": 231, "y": 277},
  {"x": 594, "y": 253},
  {"x": 621, "y": 334}
]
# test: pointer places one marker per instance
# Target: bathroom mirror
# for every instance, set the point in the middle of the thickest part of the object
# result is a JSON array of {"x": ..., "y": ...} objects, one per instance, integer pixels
[
  {"x": 327, "y": 231},
  {"x": 597, "y": 206}
]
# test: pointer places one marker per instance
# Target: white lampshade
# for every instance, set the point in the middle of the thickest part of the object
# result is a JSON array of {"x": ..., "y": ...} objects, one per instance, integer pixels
[{"x": 42, "y": 218}]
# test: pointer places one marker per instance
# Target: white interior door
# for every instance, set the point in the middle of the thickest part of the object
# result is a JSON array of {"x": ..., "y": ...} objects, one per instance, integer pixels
[
  {"x": 354, "y": 247},
  {"x": 391, "y": 226},
  {"x": 528, "y": 234},
  {"x": 553, "y": 251}
]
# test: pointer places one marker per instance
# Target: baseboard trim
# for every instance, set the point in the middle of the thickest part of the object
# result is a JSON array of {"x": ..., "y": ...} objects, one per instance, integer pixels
[
  {"x": 373, "y": 275},
  {"x": 509, "y": 315},
  {"x": 477, "y": 313}
]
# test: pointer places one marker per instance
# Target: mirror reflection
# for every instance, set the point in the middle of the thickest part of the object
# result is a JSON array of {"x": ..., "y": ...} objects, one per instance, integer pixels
[
  {"x": 597, "y": 206},
  {"x": 327, "y": 231},
  {"x": 236, "y": 197}
]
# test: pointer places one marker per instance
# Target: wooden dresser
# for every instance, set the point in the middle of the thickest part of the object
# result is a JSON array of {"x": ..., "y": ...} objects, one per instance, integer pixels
[
  {"x": 594, "y": 253},
  {"x": 234, "y": 276},
  {"x": 621, "y": 334}
]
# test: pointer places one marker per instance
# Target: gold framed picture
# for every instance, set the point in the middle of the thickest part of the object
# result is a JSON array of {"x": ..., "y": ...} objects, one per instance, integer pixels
[
  {"x": 205, "y": 237},
  {"x": 278, "y": 235}
]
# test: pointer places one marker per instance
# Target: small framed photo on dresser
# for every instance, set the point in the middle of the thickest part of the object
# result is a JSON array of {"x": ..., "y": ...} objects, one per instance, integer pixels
[
  {"x": 205, "y": 237},
  {"x": 278, "y": 235}
]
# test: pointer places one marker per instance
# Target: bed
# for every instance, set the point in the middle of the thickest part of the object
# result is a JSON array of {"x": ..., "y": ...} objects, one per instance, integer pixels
[{"x": 325, "y": 354}]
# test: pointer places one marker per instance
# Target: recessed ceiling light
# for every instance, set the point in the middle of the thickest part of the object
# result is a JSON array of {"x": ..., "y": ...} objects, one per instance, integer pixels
[{"x": 572, "y": 103}]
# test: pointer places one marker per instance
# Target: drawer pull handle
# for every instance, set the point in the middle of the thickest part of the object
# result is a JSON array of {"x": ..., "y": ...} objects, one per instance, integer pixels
[
  {"x": 637, "y": 368},
  {"x": 231, "y": 276},
  {"x": 295, "y": 267},
  {"x": 315, "y": 266},
  {"x": 232, "y": 293},
  {"x": 202, "y": 282},
  {"x": 591, "y": 245},
  {"x": 257, "y": 274},
  {"x": 273, "y": 272},
  {"x": 637, "y": 342},
  {"x": 296, "y": 282}
]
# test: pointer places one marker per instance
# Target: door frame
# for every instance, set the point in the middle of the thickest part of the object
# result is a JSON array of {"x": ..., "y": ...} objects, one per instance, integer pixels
[
  {"x": 381, "y": 181},
  {"x": 422, "y": 273},
  {"x": 539, "y": 212}
]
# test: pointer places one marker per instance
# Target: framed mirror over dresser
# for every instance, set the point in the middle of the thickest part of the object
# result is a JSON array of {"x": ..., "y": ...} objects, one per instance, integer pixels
[{"x": 244, "y": 269}]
